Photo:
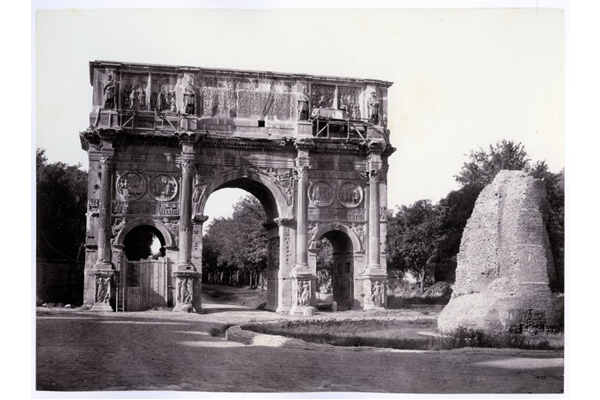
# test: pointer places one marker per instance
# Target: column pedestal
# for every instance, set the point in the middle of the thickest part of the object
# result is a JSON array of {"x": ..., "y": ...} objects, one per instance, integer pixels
[
  {"x": 303, "y": 293},
  {"x": 103, "y": 280},
  {"x": 375, "y": 290},
  {"x": 188, "y": 291}
]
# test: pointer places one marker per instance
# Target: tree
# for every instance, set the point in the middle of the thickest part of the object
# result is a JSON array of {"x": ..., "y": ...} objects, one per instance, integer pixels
[
  {"x": 238, "y": 243},
  {"x": 483, "y": 166},
  {"x": 61, "y": 204},
  {"x": 555, "y": 191},
  {"x": 414, "y": 239},
  {"x": 324, "y": 265},
  {"x": 455, "y": 210},
  {"x": 138, "y": 244}
]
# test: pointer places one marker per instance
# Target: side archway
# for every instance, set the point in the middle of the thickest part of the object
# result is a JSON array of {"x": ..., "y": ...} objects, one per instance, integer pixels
[
  {"x": 167, "y": 235},
  {"x": 357, "y": 245},
  {"x": 347, "y": 262}
]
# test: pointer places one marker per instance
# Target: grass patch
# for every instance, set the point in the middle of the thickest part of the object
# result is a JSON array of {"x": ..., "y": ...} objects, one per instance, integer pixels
[
  {"x": 219, "y": 331},
  {"x": 406, "y": 335}
]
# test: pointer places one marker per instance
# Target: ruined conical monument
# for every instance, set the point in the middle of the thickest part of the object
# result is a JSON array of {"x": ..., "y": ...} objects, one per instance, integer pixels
[{"x": 505, "y": 267}]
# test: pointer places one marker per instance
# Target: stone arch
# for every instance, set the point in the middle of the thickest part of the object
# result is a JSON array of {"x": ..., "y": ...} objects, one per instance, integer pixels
[
  {"x": 167, "y": 235},
  {"x": 267, "y": 192},
  {"x": 357, "y": 245}
]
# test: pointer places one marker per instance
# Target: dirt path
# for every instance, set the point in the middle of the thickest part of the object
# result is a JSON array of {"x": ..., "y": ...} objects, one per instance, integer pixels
[{"x": 169, "y": 351}]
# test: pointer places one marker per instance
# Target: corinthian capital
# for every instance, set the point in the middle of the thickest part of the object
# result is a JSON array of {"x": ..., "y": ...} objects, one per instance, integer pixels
[
  {"x": 301, "y": 170},
  {"x": 187, "y": 166},
  {"x": 106, "y": 163},
  {"x": 373, "y": 175}
]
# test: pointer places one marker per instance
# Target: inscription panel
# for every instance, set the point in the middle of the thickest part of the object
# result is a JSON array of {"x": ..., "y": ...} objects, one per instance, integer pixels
[
  {"x": 145, "y": 207},
  {"x": 336, "y": 213}
]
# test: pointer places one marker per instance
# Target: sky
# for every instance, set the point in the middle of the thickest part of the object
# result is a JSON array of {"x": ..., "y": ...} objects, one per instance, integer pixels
[{"x": 463, "y": 78}]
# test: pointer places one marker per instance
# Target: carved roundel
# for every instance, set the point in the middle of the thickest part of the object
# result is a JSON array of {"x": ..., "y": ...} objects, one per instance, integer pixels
[
  {"x": 131, "y": 185},
  {"x": 350, "y": 194},
  {"x": 321, "y": 194},
  {"x": 163, "y": 188}
]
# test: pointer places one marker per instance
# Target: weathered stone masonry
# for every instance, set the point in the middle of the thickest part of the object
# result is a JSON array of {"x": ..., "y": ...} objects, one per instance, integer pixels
[{"x": 314, "y": 150}]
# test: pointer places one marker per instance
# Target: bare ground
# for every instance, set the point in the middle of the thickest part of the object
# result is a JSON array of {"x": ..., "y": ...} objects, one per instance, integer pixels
[{"x": 162, "y": 350}]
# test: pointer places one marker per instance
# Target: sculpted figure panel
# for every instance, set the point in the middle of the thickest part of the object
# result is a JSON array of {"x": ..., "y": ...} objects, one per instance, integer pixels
[
  {"x": 322, "y": 96},
  {"x": 350, "y": 194},
  {"x": 321, "y": 194},
  {"x": 131, "y": 186},
  {"x": 163, "y": 188}
]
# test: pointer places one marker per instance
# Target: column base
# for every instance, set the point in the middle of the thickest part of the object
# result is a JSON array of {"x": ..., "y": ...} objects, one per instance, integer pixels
[
  {"x": 187, "y": 308},
  {"x": 102, "y": 307},
  {"x": 304, "y": 128},
  {"x": 302, "y": 311},
  {"x": 185, "y": 267},
  {"x": 103, "y": 265},
  {"x": 282, "y": 310},
  {"x": 368, "y": 307}
]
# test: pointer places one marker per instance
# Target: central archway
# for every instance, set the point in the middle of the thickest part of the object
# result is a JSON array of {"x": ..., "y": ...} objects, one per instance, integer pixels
[{"x": 273, "y": 203}]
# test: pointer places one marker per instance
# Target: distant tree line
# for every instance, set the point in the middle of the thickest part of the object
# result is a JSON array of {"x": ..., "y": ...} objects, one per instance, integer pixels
[{"x": 61, "y": 204}]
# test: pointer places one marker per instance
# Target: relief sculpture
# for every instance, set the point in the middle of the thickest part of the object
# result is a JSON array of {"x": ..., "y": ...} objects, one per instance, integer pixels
[
  {"x": 377, "y": 293},
  {"x": 348, "y": 101},
  {"x": 321, "y": 194},
  {"x": 131, "y": 186},
  {"x": 163, "y": 188},
  {"x": 301, "y": 293},
  {"x": 102, "y": 289},
  {"x": 350, "y": 194},
  {"x": 184, "y": 290},
  {"x": 322, "y": 96}
]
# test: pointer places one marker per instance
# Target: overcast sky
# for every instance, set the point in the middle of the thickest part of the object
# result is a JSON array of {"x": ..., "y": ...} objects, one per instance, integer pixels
[{"x": 463, "y": 78}]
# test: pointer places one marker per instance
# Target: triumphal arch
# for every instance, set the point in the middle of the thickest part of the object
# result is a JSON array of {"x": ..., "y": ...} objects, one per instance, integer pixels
[{"x": 312, "y": 149}]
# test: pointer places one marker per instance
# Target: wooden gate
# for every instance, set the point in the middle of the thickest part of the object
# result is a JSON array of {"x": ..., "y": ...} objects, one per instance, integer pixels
[{"x": 148, "y": 284}]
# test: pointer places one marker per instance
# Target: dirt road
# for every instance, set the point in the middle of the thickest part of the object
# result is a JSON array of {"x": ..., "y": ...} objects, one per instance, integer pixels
[
  {"x": 83, "y": 351},
  {"x": 162, "y": 350}
]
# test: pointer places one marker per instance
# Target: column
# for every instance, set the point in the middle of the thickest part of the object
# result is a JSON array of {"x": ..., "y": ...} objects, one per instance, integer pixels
[
  {"x": 302, "y": 218},
  {"x": 374, "y": 219},
  {"x": 375, "y": 275},
  {"x": 103, "y": 269},
  {"x": 188, "y": 283},
  {"x": 185, "y": 214},
  {"x": 304, "y": 279},
  {"x": 286, "y": 263}
]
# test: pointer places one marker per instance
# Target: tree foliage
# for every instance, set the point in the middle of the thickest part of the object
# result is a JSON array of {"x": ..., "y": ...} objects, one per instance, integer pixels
[
  {"x": 324, "y": 265},
  {"x": 483, "y": 166},
  {"x": 238, "y": 242},
  {"x": 138, "y": 244},
  {"x": 61, "y": 204},
  {"x": 414, "y": 238}
]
